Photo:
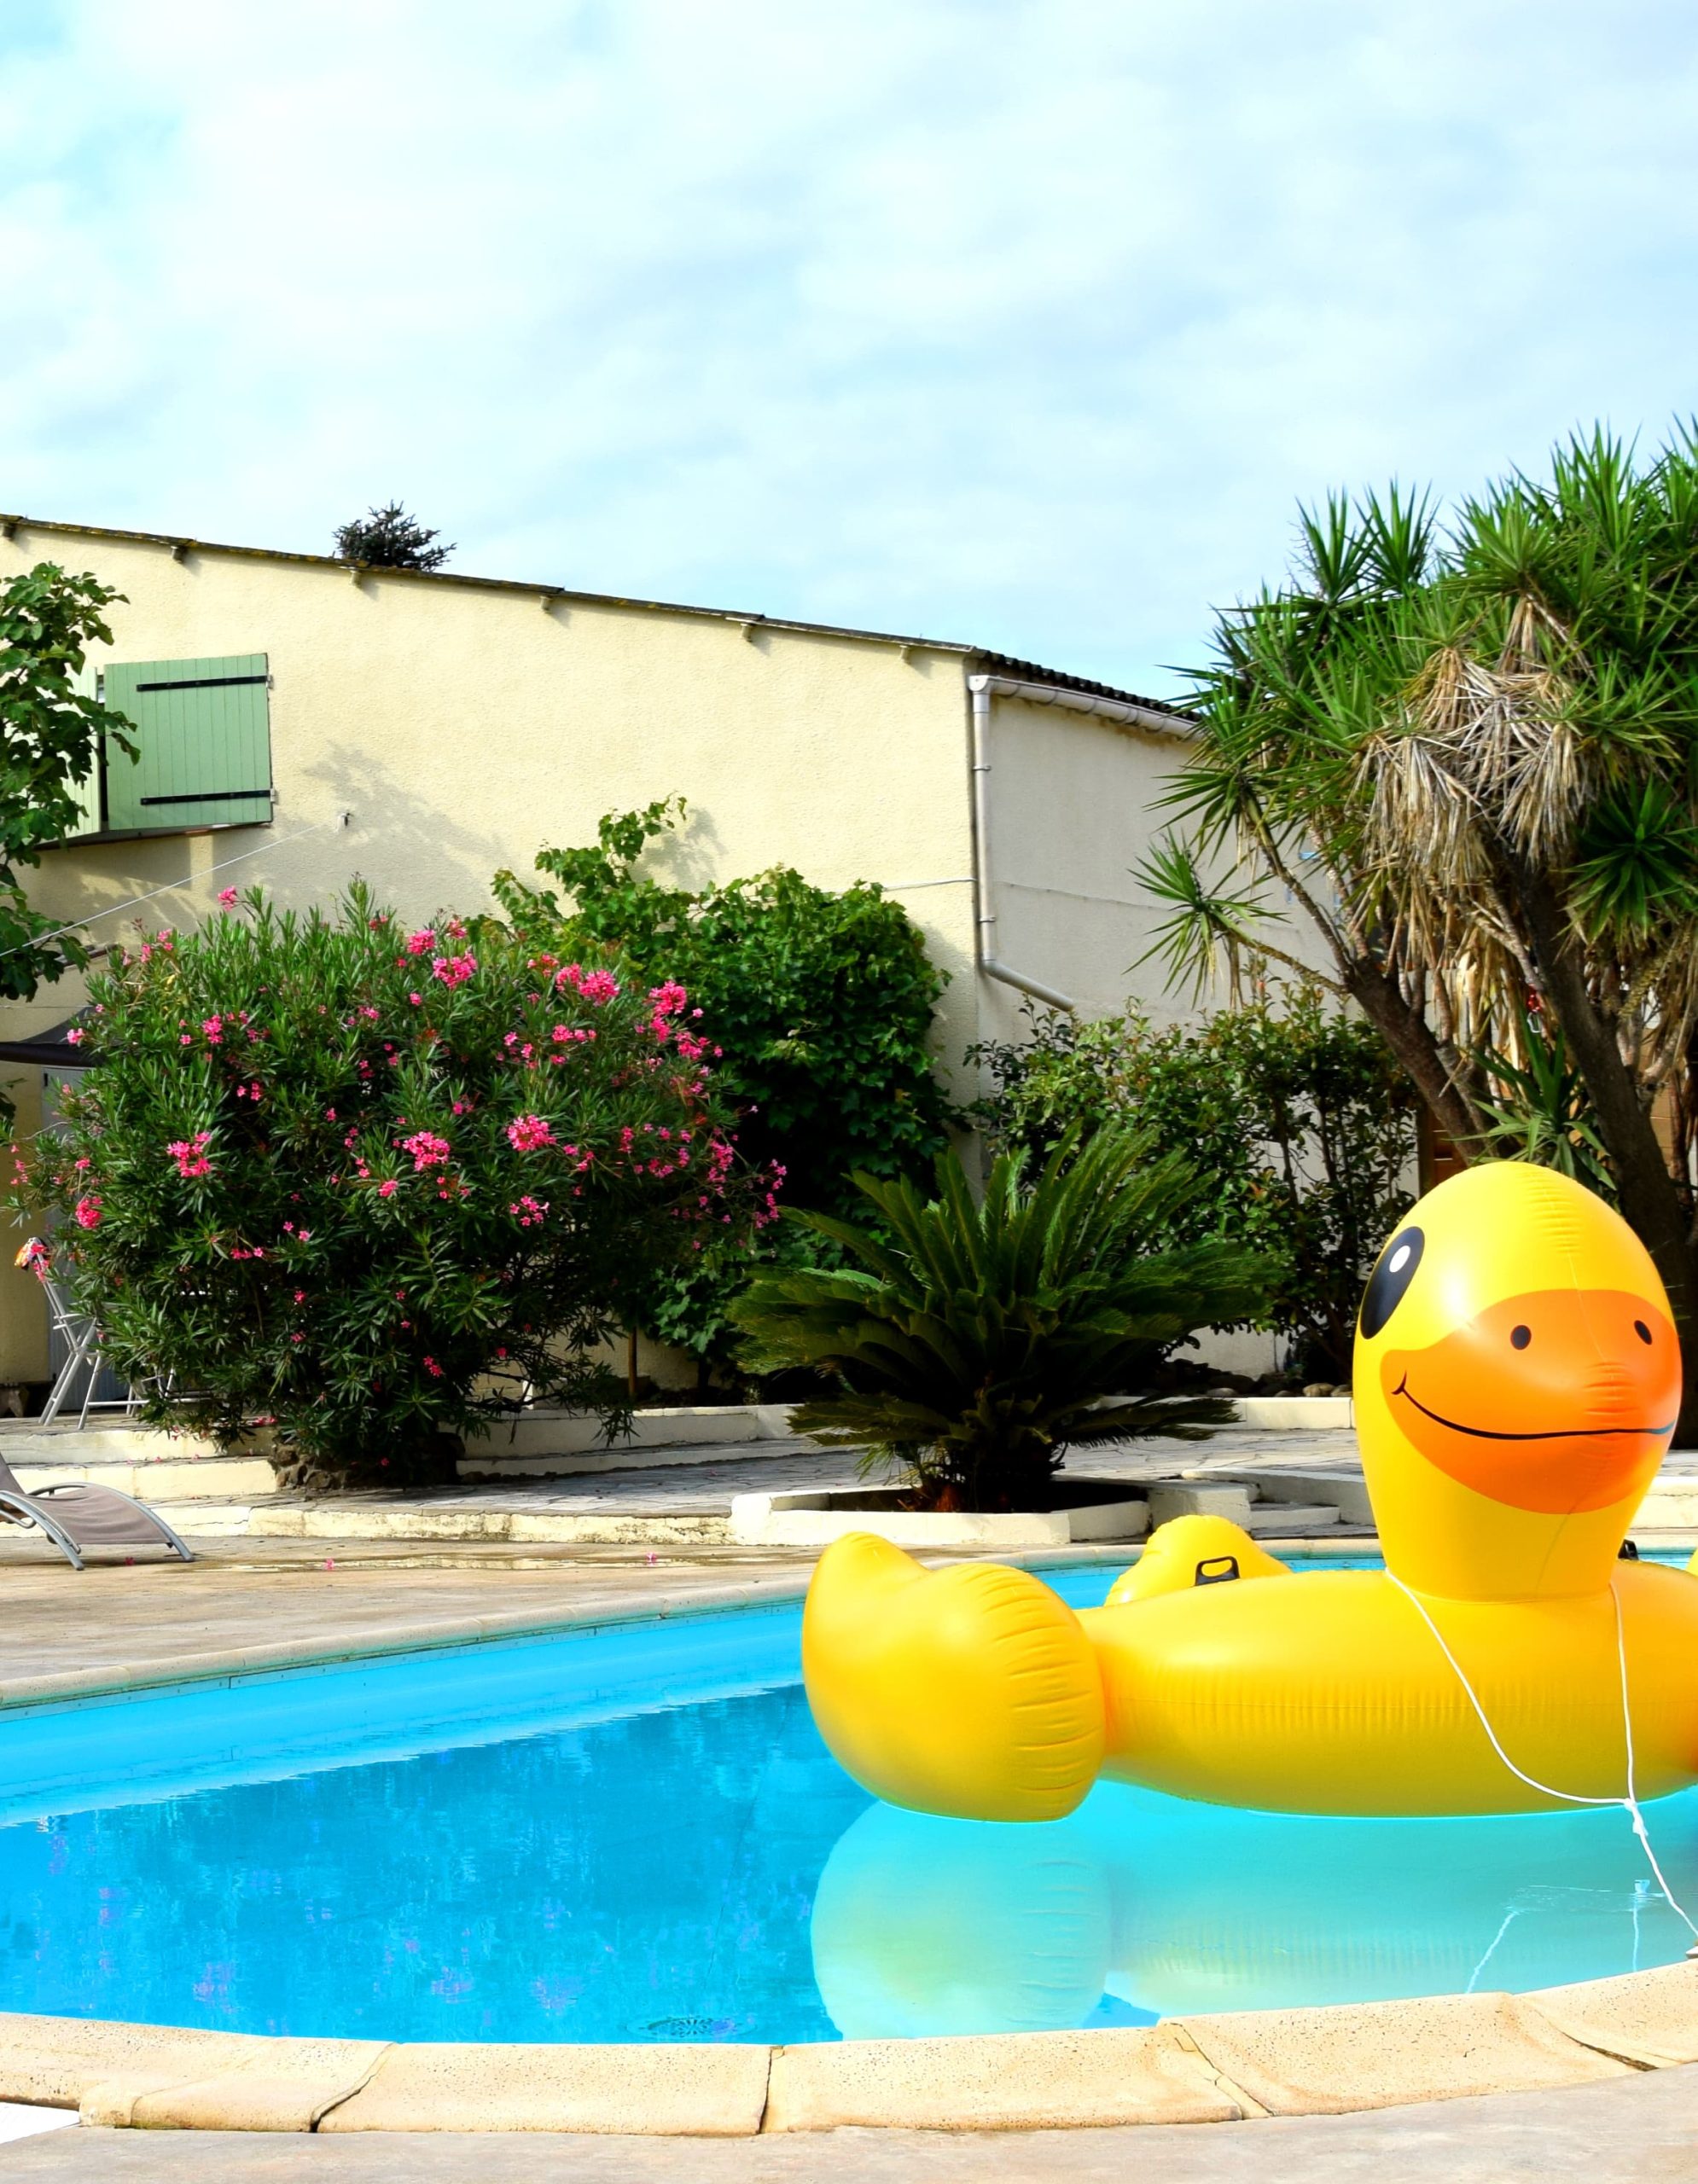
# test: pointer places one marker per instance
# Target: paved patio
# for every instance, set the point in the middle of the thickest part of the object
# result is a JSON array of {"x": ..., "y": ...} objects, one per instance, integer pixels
[{"x": 1637, "y": 2130}]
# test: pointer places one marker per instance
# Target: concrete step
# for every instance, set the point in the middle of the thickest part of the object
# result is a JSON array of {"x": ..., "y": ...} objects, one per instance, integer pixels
[
  {"x": 161, "y": 1479},
  {"x": 1291, "y": 1519},
  {"x": 1346, "y": 1492},
  {"x": 377, "y": 1520},
  {"x": 1295, "y": 1414},
  {"x": 25, "y": 1440}
]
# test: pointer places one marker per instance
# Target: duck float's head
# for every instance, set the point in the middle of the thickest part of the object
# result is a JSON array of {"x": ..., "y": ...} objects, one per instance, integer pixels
[{"x": 1517, "y": 1380}]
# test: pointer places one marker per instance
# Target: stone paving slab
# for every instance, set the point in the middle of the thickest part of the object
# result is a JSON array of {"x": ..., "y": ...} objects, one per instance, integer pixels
[
  {"x": 1641, "y": 2130},
  {"x": 62, "y": 1631}
]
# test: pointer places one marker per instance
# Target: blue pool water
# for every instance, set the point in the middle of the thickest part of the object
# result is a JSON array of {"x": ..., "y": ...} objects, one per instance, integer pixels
[{"x": 636, "y": 1834}]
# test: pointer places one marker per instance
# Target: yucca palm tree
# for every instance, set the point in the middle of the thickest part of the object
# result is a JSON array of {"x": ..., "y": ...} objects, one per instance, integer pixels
[
  {"x": 974, "y": 1340},
  {"x": 1470, "y": 764}
]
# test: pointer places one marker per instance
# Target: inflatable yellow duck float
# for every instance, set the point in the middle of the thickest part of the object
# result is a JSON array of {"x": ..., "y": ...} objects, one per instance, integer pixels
[{"x": 1517, "y": 1380}]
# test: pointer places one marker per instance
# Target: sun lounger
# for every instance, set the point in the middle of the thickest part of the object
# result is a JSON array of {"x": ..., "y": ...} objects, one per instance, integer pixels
[{"x": 76, "y": 1515}]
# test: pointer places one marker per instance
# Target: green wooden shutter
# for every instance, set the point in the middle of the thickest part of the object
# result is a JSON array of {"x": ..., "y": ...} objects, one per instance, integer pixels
[
  {"x": 203, "y": 733},
  {"x": 86, "y": 682}
]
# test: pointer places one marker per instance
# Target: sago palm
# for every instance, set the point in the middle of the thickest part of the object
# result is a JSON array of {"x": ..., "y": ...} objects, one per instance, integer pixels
[{"x": 974, "y": 1340}]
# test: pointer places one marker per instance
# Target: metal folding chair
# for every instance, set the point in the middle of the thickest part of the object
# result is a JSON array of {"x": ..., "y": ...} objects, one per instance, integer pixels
[{"x": 81, "y": 1338}]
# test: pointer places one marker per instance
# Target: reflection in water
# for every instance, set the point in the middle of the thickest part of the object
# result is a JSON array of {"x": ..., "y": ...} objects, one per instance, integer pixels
[{"x": 928, "y": 1925}]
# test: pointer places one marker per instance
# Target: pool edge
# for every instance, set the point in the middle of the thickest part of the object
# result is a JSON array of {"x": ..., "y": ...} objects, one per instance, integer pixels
[{"x": 1237, "y": 2066}]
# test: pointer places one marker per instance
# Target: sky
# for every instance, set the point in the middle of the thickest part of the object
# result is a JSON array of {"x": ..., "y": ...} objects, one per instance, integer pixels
[{"x": 1026, "y": 324}]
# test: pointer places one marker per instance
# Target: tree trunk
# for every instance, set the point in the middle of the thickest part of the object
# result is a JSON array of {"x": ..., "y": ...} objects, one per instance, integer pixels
[
  {"x": 1650, "y": 1198},
  {"x": 1410, "y": 1036}
]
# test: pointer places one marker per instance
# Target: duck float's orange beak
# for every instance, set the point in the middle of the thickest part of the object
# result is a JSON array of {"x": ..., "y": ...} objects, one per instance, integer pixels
[{"x": 1560, "y": 1400}]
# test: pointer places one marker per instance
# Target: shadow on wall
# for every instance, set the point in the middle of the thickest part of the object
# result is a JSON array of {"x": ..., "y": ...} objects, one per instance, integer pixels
[
  {"x": 418, "y": 856},
  {"x": 411, "y": 852}
]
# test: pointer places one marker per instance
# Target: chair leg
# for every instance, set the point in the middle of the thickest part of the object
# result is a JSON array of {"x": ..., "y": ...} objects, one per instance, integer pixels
[
  {"x": 80, "y": 1344},
  {"x": 22, "y": 1506}
]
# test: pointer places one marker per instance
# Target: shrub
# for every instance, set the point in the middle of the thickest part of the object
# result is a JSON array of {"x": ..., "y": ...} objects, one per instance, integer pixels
[
  {"x": 51, "y": 730},
  {"x": 389, "y": 538},
  {"x": 373, "y": 1186},
  {"x": 973, "y": 1342},
  {"x": 1298, "y": 1121},
  {"x": 819, "y": 1006}
]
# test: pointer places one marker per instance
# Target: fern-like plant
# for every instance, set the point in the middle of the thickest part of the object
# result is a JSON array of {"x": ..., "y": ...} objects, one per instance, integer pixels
[{"x": 973, "y": 1341}]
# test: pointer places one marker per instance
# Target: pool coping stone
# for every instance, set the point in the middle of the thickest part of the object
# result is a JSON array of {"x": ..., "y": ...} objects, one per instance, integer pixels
[{"x": 1336, "y": 2059}]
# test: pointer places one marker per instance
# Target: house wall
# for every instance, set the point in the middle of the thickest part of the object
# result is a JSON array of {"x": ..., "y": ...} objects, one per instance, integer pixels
[{"x": 1073, "y": 801}]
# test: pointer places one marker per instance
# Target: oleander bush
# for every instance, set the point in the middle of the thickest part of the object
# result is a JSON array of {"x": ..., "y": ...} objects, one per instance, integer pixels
[{"x": 371, "y": 1187}]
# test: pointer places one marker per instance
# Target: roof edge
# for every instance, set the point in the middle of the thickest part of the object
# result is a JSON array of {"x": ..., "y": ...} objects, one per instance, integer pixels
[{"x": 747, "y": 622}]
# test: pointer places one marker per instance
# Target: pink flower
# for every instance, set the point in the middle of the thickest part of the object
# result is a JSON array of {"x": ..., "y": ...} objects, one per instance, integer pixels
[
  {"x": 668, "y": 999},
  {"x": 598, "y": 986},
  {"x": 387, "y": 1190},
  {"x": 86, "y": 1211},
  {"x": 416, "y": 999},
  {"x": 213, "y": 1028},
  {"x": 190, "y": 1155},
  {"x": 529, "y": 1134},
  {"x": 73, "y": 1038},
  {"x": 428, "y": 1151},
  {"x": 454, "y": 970},
  {"x": 531, "y": 1211},
  {"x": 421, "y": 944},
  {"x": 227, "y": 899},
  {"x": 432, "y": 1368}
]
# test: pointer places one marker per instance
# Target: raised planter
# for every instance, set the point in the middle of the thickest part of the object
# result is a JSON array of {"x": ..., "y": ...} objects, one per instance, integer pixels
[
  {"x": 543, "y": 1444},
  {"x": 1091, "y": 1510}
]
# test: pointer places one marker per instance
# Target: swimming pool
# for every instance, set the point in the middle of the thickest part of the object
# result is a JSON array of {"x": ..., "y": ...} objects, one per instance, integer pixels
[{"x": 635, "y": 1834}]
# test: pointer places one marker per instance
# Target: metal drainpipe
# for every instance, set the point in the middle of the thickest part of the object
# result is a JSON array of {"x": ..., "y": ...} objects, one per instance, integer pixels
[{"x": 984, "y": 910}]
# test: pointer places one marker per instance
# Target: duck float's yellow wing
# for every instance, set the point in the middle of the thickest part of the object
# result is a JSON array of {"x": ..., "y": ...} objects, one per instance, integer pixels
[
  {"x": 1517, "y": 1381},
  {"x": 970, "y": 1691}
]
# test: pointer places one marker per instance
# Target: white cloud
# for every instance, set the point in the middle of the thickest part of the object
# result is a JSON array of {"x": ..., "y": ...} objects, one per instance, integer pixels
[{"x": 1024, "y": 320}]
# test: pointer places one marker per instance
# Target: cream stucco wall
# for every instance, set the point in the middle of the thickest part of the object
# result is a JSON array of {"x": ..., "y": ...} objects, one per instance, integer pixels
[
  {"x": 465, "y": 727},
  {"x": 1073, "y": 801}
]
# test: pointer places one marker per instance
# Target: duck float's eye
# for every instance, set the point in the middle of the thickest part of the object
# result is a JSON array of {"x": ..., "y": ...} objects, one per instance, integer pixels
[
  {"x": 1521, "y": 1337},
  {"x": 1390, "y": 1279},
  {"x": 1641, "y": 1331}
]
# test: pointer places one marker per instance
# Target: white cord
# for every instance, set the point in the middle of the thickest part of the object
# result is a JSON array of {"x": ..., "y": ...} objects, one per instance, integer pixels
[
  {"x": 1630, "y": 1803},
  {"x": 337, "y": 819}
]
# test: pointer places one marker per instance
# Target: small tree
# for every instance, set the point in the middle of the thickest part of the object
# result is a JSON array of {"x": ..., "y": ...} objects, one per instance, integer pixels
[
  {"x": 389, "y": 538},
  {"x": 1469, "y": 763},
  {"x": 51, "y": 728},
  {"x": 974, "y": 1341},
  {"x": 819, "y": 1006},
  {"x": 375, "y": 1188}
]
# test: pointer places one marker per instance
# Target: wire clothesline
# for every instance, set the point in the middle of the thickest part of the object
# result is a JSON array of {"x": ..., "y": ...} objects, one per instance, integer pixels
[{"x": 337, "y": 819}]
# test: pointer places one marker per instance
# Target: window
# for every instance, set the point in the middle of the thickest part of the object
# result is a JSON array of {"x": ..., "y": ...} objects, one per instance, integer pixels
[{"x": 202, "y": 730}]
